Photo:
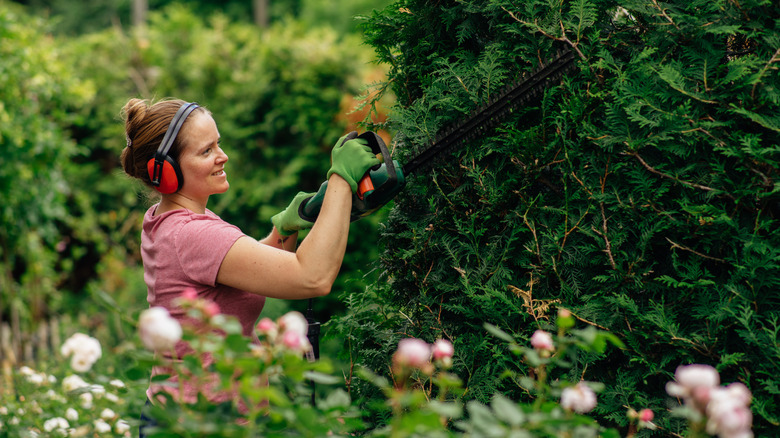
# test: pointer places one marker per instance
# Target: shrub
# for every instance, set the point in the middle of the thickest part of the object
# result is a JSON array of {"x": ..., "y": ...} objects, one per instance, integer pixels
[
  {"x": 640, "y": 194},
  {"x": 34, "y": 88}
]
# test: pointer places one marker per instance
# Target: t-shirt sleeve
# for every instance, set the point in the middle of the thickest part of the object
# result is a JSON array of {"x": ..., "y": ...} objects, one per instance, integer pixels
[{"x": 201, "y": 246}]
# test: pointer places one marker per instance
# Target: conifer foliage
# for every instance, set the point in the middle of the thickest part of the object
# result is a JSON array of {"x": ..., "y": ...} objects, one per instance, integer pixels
[{"x": 642, "y": 193}]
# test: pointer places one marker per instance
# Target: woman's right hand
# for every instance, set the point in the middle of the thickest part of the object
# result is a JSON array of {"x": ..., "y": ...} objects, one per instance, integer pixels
[{"x": 351, "y": 158}]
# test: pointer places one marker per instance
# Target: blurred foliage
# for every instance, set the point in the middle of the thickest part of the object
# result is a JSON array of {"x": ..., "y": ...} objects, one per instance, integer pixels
[
  {"x": 35, "y": 89},
  {"x": 68, "y": 15},
  {"x": 71, "y": 218}
]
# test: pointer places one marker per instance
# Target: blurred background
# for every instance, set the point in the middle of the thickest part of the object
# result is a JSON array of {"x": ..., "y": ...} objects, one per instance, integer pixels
[{"x": 283, "y": 79}]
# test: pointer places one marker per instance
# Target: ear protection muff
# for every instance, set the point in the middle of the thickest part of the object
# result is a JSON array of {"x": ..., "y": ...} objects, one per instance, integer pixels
[{"x": 164, "y": 171}]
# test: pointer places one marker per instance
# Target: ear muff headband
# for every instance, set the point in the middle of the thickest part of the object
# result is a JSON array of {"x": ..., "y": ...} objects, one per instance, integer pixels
[{"x": 164, "y": 172}]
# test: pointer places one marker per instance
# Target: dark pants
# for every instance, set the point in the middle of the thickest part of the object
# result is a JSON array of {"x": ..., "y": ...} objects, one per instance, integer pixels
[{"x": 146, "y": 420}]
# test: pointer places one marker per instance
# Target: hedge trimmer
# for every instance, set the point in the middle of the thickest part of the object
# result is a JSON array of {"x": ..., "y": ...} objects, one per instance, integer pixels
[{"x": 384, "y": 181}]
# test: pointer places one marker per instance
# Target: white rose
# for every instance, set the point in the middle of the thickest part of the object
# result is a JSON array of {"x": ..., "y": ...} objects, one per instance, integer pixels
[
  {"x": 101, "y": 426},
  {"x": 72, "y": 414},
  {"x": 107, "y": 414},
  {"x": 295, "y": 322},
  {"x": 579, "y": 398},
  {"x": 35, "y": 379},
  {"x": 80, "y": 363},
  {"x": 121, "y": 427},
  {"x": 57, "y": 423},
  {"x": 158, "y": 330},
  {"x": 73, "y": 382},
  {"x": 83, "y": 350},
  {"x": 85, "y": 400},
  {"x": 97, "y": 390}
]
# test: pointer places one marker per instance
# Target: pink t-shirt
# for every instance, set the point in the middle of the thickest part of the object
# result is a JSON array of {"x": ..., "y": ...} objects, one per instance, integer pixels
[{"x": 182, "y": 249}]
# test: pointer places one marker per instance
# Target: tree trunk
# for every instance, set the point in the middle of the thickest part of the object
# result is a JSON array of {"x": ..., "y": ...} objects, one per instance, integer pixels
[
  {"x": 140, "y": 8},
  {"x": 261, "y": 13}
]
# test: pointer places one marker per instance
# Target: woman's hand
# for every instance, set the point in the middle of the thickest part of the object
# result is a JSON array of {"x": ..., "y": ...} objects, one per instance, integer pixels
[
  {"x": 351, "y": 158},
  {"x": 289, "y": 222}
]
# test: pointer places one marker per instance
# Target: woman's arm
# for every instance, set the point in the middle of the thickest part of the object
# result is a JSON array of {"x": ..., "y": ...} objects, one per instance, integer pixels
[
  {"x": 308, "y": 272},
  {"x": 277, "y": 240}
]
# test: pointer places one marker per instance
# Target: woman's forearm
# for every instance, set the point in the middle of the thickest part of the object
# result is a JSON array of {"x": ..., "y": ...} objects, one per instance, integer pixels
[{"x": 322, "y": 251}]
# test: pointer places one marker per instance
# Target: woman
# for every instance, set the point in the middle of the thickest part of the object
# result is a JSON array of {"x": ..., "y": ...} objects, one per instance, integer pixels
[{"x": 174, "y": 147}]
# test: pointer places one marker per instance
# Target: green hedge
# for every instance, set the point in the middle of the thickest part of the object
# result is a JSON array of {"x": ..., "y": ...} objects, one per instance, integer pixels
[{"x": 641, "y": 193}]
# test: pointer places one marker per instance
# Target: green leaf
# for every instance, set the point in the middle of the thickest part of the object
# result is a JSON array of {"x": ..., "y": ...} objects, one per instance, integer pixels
[
  {"x": 506, "y": 410},
  {"x": 497, "y": 332}
]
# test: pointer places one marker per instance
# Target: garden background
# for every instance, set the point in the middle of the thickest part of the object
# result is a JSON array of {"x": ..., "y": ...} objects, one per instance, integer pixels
[{"x": 641, "y": 194}]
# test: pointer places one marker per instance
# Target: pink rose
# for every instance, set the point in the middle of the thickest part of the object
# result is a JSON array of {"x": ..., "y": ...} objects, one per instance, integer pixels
[
  {"x": 646, "y": 415},
  {"x": 211, "y": 309},
  {"x": 442, "y": 349},
  {"x": 542, "y": 341},
  {"x": 729, "y": 418},
  {"x": 693, "y": 376},
  {"x": 266, "y": 326},
  {"x": 189, "y": 294},
  {"x": 413, "y": 352},
  {"x": 292, "y": 340}
]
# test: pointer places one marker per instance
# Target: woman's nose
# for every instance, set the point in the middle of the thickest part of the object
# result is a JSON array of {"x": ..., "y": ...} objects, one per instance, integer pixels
[{"x": 222, "y": 155}]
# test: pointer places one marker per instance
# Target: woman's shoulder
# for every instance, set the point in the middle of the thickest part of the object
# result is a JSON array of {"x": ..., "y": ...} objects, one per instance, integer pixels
[{"x": 176, "y": 221}]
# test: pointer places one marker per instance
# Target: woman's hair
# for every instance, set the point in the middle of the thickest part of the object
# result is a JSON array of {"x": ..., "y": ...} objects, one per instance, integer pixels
[{"x": 145, "y": 127}]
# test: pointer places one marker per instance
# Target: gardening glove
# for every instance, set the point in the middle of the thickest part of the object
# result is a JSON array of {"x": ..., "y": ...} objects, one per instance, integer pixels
[
  {"x": 289, "y": 221},
  {"x": 351, "y": 158}
]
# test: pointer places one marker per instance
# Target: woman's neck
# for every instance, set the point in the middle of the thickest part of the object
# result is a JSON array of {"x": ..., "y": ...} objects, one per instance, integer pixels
[{"x": 177, "y": 201}]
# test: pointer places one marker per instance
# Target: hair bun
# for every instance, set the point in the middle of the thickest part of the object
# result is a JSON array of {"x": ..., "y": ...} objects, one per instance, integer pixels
[{"x": 134, "y": 112}]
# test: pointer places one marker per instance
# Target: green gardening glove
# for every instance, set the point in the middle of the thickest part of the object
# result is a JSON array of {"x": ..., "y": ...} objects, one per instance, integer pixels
[
  {"x": 351, "y": 158},
  {"x": 288, "y": 221}
]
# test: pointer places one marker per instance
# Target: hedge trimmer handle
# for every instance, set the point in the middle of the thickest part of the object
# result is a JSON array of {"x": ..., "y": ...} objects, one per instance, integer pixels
[{"x": 377, "y": 187}]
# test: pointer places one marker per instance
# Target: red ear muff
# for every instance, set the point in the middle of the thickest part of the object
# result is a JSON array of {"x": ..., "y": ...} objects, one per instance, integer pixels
[
  {"x": 170, "y": 178},
  {"x": 164, "y": 172}
]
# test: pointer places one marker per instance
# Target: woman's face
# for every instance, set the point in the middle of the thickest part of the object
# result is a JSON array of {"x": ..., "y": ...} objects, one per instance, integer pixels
[{"x": 202, "y": 161}]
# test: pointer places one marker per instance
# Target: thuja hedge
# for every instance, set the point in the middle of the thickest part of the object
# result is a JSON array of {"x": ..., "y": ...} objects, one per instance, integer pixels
[{"x": 641, "y": 193}]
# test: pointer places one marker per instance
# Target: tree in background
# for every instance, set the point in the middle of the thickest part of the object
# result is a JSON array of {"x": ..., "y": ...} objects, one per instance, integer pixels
[
  {"x": 69, "y": 15},
  {"x": 640, "y": 194}
]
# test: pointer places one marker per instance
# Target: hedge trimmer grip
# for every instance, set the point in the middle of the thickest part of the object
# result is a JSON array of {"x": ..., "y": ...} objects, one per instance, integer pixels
[
  {"x": 377, "y": 187},
  {"x": 365, "y": 185}
]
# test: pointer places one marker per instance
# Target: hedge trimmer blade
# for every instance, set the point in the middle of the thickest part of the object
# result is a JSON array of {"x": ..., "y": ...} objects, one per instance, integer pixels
[
  {"x": 484, "y": 119},
  {"x": 382, "y": 182}
]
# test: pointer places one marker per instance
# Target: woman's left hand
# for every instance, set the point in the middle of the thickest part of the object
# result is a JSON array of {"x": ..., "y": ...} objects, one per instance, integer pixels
[{"x": 288, "y": 221}]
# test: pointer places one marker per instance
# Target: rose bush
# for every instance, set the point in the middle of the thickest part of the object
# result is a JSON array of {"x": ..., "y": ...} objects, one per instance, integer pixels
[
  {"x": 68, "y": 399},
  {"x": 273, "y": 385}
]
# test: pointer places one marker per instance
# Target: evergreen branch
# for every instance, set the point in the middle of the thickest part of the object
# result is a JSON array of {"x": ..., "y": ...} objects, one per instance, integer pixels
[
  {"x": 674, "y": 178},
  {"x": 665, "y": 15},
  {"x": 601, "y": 327},
  {"x": 566, "y": 234},
  {"x": 533, "y": 231},
  {"x": 561, "y": 38},
  {"x": 608, "y": 249},
  {"x": 684, "y": 248},
  {"x": 720, "y": 142},
  {"x": 775, "y": 58}
]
